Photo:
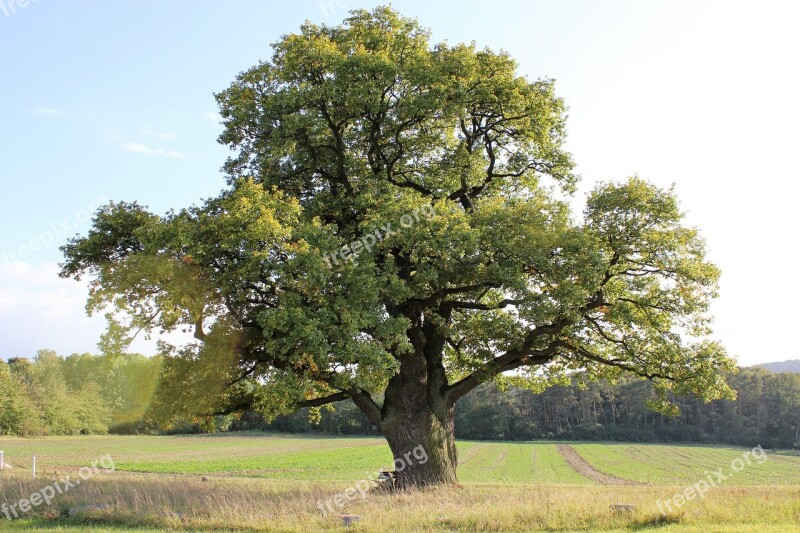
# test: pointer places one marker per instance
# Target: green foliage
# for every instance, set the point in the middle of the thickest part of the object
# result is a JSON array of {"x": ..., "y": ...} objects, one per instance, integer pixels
[
  {"x": 766, "y": 412},
  {"x": 350, "y": 128},
  {"x": 35, "y": 399},
  {"x": 127, "y": 383},
  {"x": 18, "y": 412},
  {"x": 79, "y": 394}
]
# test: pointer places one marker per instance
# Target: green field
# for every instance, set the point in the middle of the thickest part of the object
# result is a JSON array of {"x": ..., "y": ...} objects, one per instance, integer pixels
[
  {"x": 287, "y": 457},
  {"x": 681, "y": 465},
  {"x": 308, "y": 458},
  {"x": 272, "y": 482}
]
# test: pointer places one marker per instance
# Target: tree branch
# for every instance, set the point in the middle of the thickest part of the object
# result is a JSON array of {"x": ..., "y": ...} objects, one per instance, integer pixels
[
  {"x": 583, "y": 352},
  {"x": 324, "y": 400},
  {"x": 371, "y": 410},
  {"x": 508, "y": 361}
]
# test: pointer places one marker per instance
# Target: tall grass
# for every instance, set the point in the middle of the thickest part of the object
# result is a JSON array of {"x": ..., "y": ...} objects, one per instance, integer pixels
[{"x": 189, "y": 502}]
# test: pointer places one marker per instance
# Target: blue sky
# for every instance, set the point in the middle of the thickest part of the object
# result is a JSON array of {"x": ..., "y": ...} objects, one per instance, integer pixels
[{"x": 114, "y": 100}]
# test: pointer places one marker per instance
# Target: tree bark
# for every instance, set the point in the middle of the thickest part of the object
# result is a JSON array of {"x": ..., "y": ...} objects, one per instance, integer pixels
[
  {"x": 423, "y": 448},
  {"x": 417, "y": 417}
]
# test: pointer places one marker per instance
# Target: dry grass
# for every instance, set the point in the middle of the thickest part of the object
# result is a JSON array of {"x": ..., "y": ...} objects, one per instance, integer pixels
[
  {"x": 512, "y": 487},
  {"x": 187, "y": 502}
]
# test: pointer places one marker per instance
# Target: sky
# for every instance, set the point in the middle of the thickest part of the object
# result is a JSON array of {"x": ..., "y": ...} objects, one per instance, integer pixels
[{"x": 105, "y": 101}]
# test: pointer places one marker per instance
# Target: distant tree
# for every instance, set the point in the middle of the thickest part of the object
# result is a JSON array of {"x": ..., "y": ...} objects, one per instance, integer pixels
[
  {"x": 35, "y": 399},
  {"x": 18, "y": 413},
  {"x": 91, "y": 410},
  {"x": 126, "y": 382},
  {"x": 393, "y": 228},
  {"x": 51, "y": 394}
]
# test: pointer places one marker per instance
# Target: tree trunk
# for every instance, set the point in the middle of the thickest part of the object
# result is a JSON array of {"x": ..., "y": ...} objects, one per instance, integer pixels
[
  {"x": 423, "y": 447},
  {"x": 417, "y": 418},
  {"x": 417, "y": 415}
]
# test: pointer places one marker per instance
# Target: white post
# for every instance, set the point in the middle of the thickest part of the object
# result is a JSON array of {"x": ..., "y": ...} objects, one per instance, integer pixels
[
  {"x": 1, "y": 460},
  {"x": 34, "y": 467}
]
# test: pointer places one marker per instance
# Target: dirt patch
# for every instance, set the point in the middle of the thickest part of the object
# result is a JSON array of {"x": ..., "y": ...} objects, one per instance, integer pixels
[
  {"x": 582, "y": 467},
  {"x": 471, "y": 452},
  {"x": 499, "y": 459}
]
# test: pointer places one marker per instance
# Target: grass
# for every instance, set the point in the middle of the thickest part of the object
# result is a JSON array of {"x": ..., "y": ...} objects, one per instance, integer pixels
[
  {"x": 249, "y": 454},
  {"x": 681, "y": 465},
  {"x": 258, "y": 504},
  {"x": 285, "y": 457},
  {"x": 512, "y": 462},
  {"x": 273, "y": 483}
]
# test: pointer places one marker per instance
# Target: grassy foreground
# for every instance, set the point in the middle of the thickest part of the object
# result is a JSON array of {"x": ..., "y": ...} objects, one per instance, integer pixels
[{"x": 274, "y": 483}]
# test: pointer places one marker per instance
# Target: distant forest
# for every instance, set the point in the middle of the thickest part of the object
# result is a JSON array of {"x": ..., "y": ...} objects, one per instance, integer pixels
[{"x": 89, "y": 394}]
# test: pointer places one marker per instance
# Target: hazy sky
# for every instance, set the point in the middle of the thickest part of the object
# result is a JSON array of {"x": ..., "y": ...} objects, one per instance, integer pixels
[{"x": 114, "y": 100}]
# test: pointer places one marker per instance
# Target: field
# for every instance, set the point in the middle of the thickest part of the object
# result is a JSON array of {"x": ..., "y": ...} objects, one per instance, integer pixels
[{"x": 274, "y": 483}]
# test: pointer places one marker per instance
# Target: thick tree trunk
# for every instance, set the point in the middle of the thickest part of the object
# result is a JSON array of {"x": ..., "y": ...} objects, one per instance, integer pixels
[
  {"x": 417, "y": 416},
  {"x": 423, "y": 446}
]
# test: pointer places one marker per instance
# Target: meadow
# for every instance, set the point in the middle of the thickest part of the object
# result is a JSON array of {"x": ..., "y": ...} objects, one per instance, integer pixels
[{"x": 254, "y": 481}]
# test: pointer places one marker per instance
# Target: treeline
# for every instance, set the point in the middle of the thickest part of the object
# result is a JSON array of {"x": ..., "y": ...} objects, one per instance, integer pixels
[
  {"x": 86, "y": 394},
  {"x": 80, "y": 394},
  {"x": 766, "y": 411}
]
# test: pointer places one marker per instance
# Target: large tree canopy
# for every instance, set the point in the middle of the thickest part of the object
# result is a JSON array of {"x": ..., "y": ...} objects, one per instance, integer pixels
[{"x": 395, "y": 232}]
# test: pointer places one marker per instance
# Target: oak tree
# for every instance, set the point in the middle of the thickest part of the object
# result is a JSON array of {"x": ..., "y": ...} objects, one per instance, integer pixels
[{"x": 396, "y": 231}]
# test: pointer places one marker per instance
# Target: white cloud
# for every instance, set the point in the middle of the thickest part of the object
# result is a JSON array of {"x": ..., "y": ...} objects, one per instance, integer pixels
[
  {"x": 146, "y": 150},
  {"x": 167, "y": 136},
  {"x": 7, "y": 300},
  {"x": 40, "y": 310},
  {"x": 47, "y": 111},
  {"x": 214, "y": 117}
]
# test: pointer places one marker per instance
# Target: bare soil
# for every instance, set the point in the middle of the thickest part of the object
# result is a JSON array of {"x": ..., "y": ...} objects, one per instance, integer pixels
[{"x": 582, "y": 467}]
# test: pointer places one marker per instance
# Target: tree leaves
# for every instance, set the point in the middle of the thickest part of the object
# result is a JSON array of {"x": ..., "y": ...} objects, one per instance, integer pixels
[{"x": 351, "y": 130}]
